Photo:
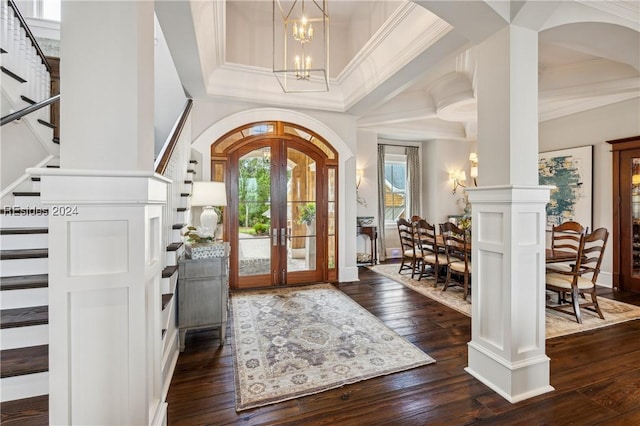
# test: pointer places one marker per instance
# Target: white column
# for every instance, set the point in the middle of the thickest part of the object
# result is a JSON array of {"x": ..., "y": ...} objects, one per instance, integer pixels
[
  {"x": 507, "y": 348},
  {"x": 105, "y": 222}
]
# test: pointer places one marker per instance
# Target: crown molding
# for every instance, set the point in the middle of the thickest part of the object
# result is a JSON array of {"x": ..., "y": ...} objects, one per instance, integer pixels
[
  {"x": 628, "y": 10},
  {"x": 240, "y": 83},
  {"x": 383, "y": 57},
  {"x": 561, "y": 109}
]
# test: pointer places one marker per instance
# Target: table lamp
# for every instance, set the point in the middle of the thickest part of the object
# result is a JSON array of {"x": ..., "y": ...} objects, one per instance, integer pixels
[{"x": 209, "y": 195}]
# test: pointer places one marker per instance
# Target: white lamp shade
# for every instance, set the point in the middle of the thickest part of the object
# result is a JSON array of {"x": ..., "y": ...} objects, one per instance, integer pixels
[{"x": 209, "y": 194}]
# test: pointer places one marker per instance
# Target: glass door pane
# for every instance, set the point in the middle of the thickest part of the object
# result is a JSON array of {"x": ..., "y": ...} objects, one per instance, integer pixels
[
  {"x": 301, "y": 212},
  {"x": 635, "y": 216},
  {"x": 254, "y": 213}
]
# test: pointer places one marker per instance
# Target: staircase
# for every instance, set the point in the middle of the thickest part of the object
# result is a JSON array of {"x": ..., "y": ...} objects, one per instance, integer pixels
[
  {"x": 24, "y": 304},
  {"x": 24, "y": 240}
]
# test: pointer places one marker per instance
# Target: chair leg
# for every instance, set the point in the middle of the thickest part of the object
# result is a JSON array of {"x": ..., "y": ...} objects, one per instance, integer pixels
[
  {"x": 436, "y": 271},
  {"x": 575, "y": 294},
  {"x": 594, "y": 299}
]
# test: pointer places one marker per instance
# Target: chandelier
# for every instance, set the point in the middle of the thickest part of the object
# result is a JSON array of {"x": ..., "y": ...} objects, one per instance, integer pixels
[{"x": 301, "y": 45}]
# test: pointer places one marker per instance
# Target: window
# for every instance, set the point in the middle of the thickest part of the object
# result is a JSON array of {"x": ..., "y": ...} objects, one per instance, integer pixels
[
  {"x": 47, "y": 9},
  {"x": 395, "y": 177}
]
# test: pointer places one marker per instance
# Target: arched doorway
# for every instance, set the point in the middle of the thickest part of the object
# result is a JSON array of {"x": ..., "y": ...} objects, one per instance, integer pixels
[{"x": 281, "y": 219}]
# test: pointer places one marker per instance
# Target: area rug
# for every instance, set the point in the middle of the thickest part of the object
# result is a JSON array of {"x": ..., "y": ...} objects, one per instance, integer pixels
[
  {"x": 557, "y": 323},
  {"x": 299, "y": 341}
]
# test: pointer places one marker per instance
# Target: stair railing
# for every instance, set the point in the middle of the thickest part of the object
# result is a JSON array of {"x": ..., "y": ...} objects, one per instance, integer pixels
[
  {"x": 172, "y": 163},
  {"x": 28, "y": 110},
  {"x": 27, "y": 62}
]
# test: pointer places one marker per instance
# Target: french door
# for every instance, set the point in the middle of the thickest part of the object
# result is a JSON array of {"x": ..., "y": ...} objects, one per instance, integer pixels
[{"x": 279, "y": 217}]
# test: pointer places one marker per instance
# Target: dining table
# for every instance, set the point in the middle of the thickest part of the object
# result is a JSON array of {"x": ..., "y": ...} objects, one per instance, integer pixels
[{"x": 555, "y": 256}]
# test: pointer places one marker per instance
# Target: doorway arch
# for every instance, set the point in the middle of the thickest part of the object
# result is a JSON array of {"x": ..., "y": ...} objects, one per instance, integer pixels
[
  {"x": 342, "y": 140},
  {"x": 282, "y": 217}
]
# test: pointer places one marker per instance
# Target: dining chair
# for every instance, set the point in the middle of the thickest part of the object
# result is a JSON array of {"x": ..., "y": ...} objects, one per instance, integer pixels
[
  {"x": 591, "y": 249},
  {"x": 566, "y": 237},
  {"x": 410, "y": 256},
  {"x": 458, "y": 253},
  {"x": 432, "y": 255}
]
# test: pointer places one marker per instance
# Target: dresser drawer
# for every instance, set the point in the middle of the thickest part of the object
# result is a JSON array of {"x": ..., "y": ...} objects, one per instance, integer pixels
[{"x": 214, "y": 267}]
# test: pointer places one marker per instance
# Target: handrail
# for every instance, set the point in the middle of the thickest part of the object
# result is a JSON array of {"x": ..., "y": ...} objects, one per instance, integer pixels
[
  {"x": 167, "y": 150},
  {"x": 28, "y": 110},
  {"x": 30, "y": 35}
]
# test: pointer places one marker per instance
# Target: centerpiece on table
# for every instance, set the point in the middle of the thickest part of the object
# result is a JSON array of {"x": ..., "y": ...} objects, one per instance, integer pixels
[{"x": 201, "y": 243}]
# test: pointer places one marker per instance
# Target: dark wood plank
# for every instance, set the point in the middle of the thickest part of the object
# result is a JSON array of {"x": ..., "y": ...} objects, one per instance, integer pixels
[
  {"x": 24, "y": 317},
  {"x": 16, "y": 362},
  {"x": 26, "y": 412},
  {"x": 590, "y": 386}
]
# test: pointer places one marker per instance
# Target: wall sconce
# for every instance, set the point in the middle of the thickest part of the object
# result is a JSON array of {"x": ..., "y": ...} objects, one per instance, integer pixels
[
  {"x": 458, "y": 178},
  {"x": 473, "y": 172}
]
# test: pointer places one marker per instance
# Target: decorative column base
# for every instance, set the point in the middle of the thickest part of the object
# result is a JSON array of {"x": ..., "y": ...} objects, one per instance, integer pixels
[
  {"x": 514, "y": 381},
  {"x": 507, "y": 348}
]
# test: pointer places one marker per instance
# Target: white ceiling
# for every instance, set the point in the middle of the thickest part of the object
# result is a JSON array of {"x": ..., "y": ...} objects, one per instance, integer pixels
[{"x": 407, "y": 69}]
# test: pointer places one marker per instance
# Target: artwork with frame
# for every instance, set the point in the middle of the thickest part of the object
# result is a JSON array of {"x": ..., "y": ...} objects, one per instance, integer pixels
[{"x": 570, "y": 171}]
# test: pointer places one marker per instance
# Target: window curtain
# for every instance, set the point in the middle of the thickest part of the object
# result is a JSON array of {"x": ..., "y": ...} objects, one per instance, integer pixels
[
  {"x": 413, "y": 181},
  {"x": 381, "y": 213}
]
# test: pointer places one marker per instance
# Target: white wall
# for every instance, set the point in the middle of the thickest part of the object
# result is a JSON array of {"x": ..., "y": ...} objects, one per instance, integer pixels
[
  {"x": 367, "y": 160},
  {"x": 439, "y": 157},
  {"x": 595, "y": 127},
  {"x": 169, "y": 97}
]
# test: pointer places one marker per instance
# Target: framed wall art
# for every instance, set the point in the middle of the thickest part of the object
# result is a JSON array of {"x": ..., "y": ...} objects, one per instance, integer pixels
[{"x": 570, "y": 171}]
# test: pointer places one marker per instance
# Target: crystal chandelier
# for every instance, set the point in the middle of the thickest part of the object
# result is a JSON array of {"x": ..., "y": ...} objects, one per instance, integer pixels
[{"x": 301, "y": 45}]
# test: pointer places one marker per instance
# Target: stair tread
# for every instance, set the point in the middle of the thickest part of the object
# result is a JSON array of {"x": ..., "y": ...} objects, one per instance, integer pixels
[
  {"x": 174, "y": 246},
  {"x": 21, "y": 361},
  {"x": 24, "y": 317},
  {"x": 179, "y": 225},
  {"x": 24, "y": 254},
  {"x": 193, "y": 161},
  {"x": 14, "y": 231},
  {"x": 27, "y": 411},
  {"x": 24, "y": 281},
  {"x": 53, "y": 166},
  {"x": 188, "y": 181},
  {"x": 27, "y": 100},
  {"x": 166, "y": 298},
  {"x": 191, "y": 171},
  {"x": 169, "y": 271},
  {"x": 182, "y": 209},
  {"x": 12, "y": 74},
  {"x": 35, "y": 178},
  {"x": 56, "y": 140},
  {"x": 185, "y": 194},
  {"x": 46, "y": 123},
  {"x": 26, "y": 193}
]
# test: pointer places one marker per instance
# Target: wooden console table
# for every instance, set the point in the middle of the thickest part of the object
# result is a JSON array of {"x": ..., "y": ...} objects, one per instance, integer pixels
[{"x": 372, "y": 232}]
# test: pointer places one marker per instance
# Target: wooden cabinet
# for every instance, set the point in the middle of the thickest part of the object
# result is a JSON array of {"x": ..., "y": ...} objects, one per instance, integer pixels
[
  {"x": 203, "y": 292},
  {"x": 626, "y": 213}
]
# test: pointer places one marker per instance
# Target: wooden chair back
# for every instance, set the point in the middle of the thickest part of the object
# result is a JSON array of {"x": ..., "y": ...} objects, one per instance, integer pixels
[
  {"x": 566, "y": 236},
  {"x": 407, "y": 245}
]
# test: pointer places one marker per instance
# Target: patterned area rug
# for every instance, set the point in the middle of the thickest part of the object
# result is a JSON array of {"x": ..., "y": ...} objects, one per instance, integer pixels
[
  {"x": 557, "y": 323},
  {"x": 299, "y": 341}
]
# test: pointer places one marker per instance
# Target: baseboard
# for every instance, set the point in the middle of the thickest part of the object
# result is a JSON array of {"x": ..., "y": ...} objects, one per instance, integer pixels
[{"x": 348, "y": 274}]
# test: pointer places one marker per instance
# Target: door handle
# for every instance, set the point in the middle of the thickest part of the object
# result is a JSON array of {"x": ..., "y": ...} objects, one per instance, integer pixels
[
  {"x": 274, "y": 238},
  {"x": 283, "y": 236}
]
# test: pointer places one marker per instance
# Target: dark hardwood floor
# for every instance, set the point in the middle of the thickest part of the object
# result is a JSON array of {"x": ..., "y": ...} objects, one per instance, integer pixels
[{"x": 596, "y": 375}]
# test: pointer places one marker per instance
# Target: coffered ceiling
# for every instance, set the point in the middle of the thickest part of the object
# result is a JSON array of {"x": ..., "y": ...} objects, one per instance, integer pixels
[{"x": 407, "y": 69}]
